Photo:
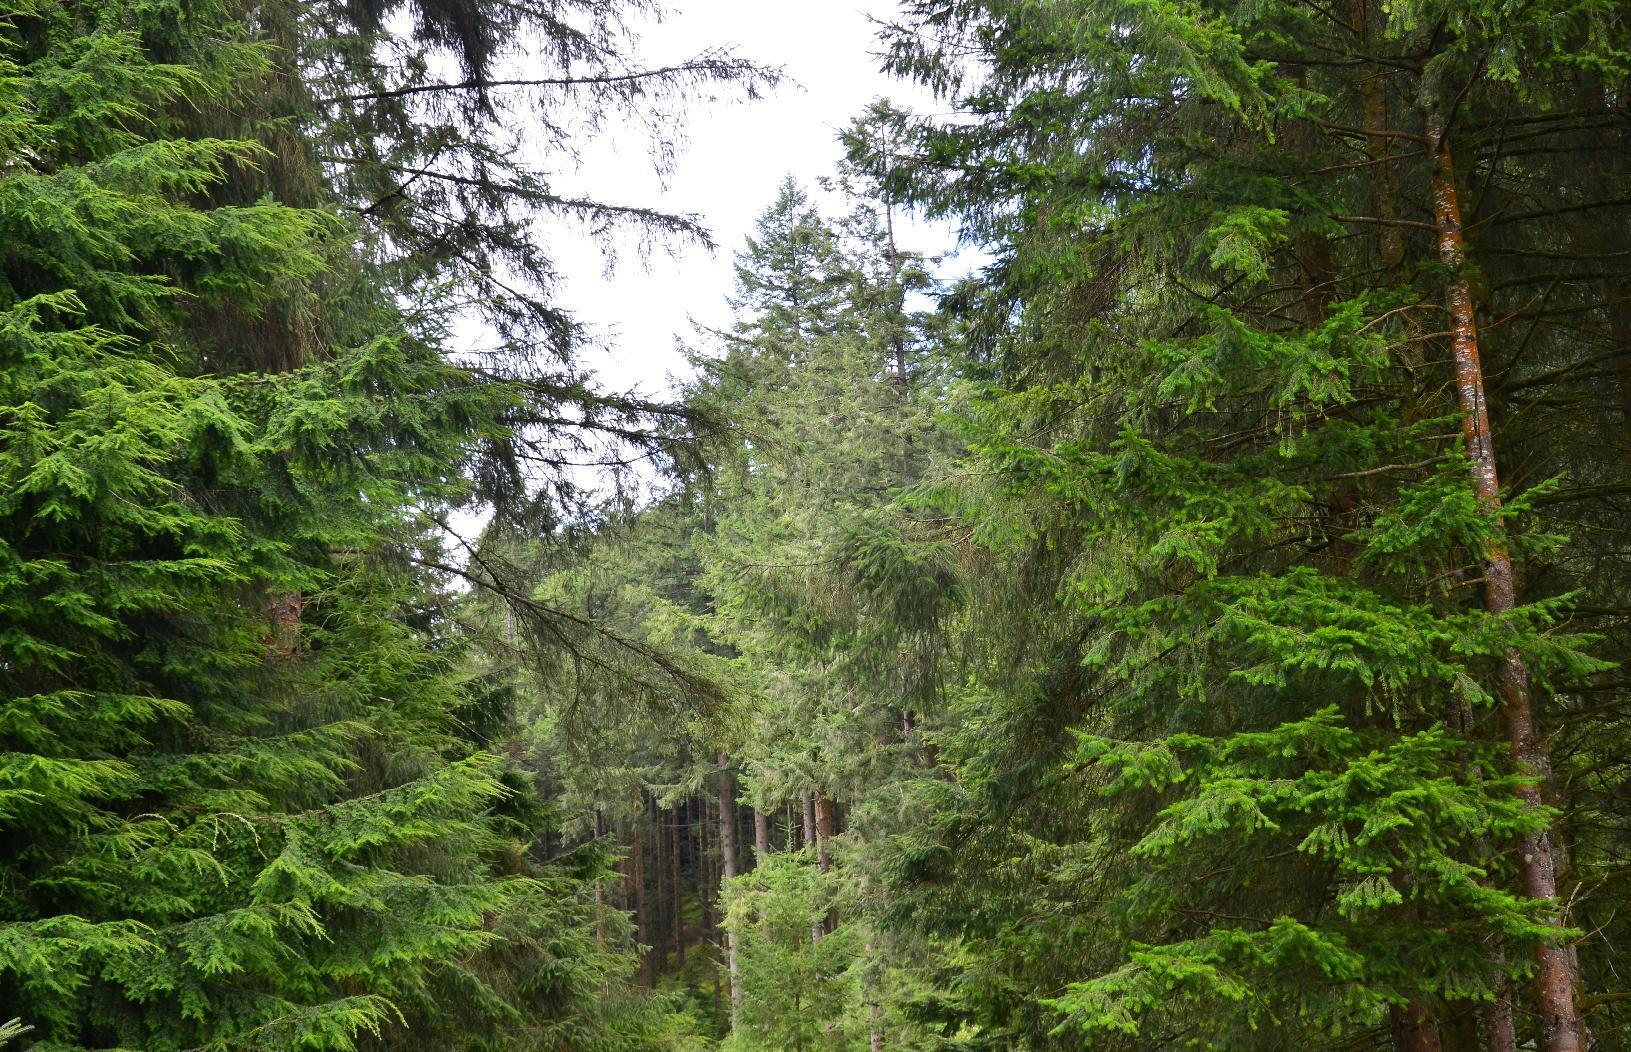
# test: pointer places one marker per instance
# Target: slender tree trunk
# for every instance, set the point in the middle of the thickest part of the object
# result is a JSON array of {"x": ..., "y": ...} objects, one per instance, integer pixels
[
  {"x": 1311, "y": 249},
  {"x": 1495, "y": 1017},
  {"x": 1615, "y": 142},
  {"x": 903, "y": 375},
  {"x": 708, "y": 888},
  {"x": 1559, "y": 1023},
  {"x": 761, "y": 833},
  {"x": 809, "y": 821},
  {"x": 705, "y": 876},
  {"x": 1500, "y": 1035},
  {"x": 1373, "y": 88},
  {"x": 283, "y": 610},
  {"x": 821, "y": 818},
  {"x": 660, "y": 887},
  {"x": 1564, "y": 870},
  {"x": 823, "y": 830},
  {"x": 625, "y": 882},
  {"x": 727, "y": 853},
  {"x": 810, "y": 844},
  {"x": 637, "y": 880},
  {"x": 874, "y": 1009},
  {"x": 1459, "y": 1033},
  {"x": 1620, "y": 333},
  {"x": 600, "y": 885},
  {"x": 676, "y": 839},
  {"x": 1413, "y": 1029}
]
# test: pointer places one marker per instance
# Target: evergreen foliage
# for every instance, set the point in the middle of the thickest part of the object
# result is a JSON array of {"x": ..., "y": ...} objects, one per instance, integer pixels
[
  {"x": 1185, "y": 595},
  {"x": 1198, "y": 627},
  {"x": 246, "y": 799}
]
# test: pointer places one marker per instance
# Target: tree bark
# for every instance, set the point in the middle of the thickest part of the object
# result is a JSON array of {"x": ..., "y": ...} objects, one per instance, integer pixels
[
  {"x": 818, "y": 821},
  {"x": 284, "y": 610},
  {"x": 823, "y": 830},
  {"x": 727, "y": 853},
  {"x": 1413, "y": 1029},
  {"x": 600, "y": 885},
  {"x": 874, "y": 1009},
  {"x": 1311, "y": 250},
  {"x": 705, "y": 874},
  {"x": 660, "y": 888},
  {"x": 761, "y": 833},
  {"x": 1614, "y": 140},
  {"x": 1620, "y": 333},
  {"x": 676, "y": 840},
  {"x": 1500, "y": 1035},
  {"x": 637, "y": 881},
  {"x": 809, "y": 821},
  {"x": 1459, "y": 1031},
  {"x": 1559, "y": 1022},
  {"x": 1373, "y": 88}
]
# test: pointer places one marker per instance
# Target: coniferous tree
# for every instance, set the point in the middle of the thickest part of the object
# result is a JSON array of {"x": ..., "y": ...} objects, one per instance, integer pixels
[
  {"x": 1197, "y": 631},
  {"x": 248, "y": 794},
  {"x": 1218, "y": 455}
]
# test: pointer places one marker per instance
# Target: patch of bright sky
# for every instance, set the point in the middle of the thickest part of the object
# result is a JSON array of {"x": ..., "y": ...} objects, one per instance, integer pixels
[{"x": 735, "y": 155}]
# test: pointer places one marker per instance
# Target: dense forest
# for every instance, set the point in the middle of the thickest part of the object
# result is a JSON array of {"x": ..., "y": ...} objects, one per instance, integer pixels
[{"x": 1202, "y": 625}]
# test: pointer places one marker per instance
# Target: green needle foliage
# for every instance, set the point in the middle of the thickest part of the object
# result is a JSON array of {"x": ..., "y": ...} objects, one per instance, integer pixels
[
  {"x": 795, "y": 991},
  {"x": 1237, "y": 738},
  {"x": 1132, "y": 644},
  {"x": 1149, "y": 649},
  {"x": 245, "y": 790}
]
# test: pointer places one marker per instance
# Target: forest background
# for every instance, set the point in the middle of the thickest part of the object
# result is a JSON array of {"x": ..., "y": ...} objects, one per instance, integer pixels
[{"x": 1199, "y": 625}]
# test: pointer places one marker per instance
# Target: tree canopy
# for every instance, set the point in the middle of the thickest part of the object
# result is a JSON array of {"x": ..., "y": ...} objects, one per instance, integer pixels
[{"x": 1199, "y": 625}]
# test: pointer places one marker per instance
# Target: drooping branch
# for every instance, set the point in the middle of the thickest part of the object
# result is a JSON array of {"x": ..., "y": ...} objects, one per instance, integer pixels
[{"x": 711, "y": 65}]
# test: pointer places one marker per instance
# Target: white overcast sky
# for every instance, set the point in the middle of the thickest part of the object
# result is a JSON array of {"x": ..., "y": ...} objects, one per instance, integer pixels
[{"x": 728, "y": 171}]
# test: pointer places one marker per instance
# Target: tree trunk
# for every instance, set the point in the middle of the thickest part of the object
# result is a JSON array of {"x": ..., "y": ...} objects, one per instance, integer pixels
[
  {"x": 1373, "y": 87},
  {"x": 676, "y": 839},
  {"x": 1559, "y": 1023},
  {"x": 823, "y": 830},
  {"x": 809, "y": 821},
  {"x": 761, "y": 834},
  {"x": 1413, "y": 1029},
  {"x": 283, "y": 610},
  {"x": 1615, "y": 142},
  {"x": 637, "y": 881},
  {"x": 1459, "y": 1032},
  {"x": 1500, "y": 1035},
  {"x": 874, "y": 1009},
  {"x": 821, "y": 817},
  {"x": 727, "y": 853},
  {"x": 1311, "y": 250},
  {"x": 600, "y": 885},
  {"x": 705, "y": 873},
  {"x": 660, "y": 914},
  {"x": 1620, "y": 333}
]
